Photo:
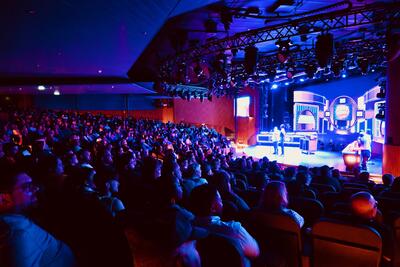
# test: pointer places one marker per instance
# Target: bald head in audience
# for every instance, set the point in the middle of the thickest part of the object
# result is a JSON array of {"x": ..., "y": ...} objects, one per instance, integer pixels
[{"x": 363, "y": 205}]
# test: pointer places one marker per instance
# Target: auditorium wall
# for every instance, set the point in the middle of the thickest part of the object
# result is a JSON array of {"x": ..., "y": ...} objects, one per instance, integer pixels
[{"x": 217, "y": 113}]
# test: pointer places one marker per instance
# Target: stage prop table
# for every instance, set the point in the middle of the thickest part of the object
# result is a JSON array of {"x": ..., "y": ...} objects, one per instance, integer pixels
[
  {"x": 308, "y": 144},
  {"x": 351, "y": 157}
]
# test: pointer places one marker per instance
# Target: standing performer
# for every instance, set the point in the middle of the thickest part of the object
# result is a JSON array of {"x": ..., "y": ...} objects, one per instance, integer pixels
[
  {"x": 364, "y": 143},
  {"x": 275, "y": 139},
  {"x": 282, "y": 135}
]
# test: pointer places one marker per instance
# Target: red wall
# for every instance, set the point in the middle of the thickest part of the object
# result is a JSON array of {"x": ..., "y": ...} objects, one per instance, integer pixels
[{"x": 217, "y": 113}]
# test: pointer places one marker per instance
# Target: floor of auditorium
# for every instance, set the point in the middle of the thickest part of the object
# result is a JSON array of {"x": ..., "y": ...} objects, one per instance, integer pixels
[{"x": 294, "y": 157}]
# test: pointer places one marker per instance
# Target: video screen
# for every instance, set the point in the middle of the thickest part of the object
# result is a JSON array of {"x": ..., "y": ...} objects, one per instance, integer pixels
[
  {"x": 243, "y": 105},
  {"x": 343, "y": 112}
]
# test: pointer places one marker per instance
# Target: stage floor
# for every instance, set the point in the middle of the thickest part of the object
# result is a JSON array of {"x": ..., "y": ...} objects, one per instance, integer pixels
[{"x": 293, "y": 156}]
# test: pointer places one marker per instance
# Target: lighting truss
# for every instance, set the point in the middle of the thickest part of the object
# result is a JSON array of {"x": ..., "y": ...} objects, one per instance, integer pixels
[
  {"x": 375, "y": 49},
  {"x": 322, "y": 22}
]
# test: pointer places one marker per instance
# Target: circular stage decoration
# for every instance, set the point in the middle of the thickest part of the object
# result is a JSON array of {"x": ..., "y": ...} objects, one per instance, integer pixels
[{"x": 343, "y": 111}]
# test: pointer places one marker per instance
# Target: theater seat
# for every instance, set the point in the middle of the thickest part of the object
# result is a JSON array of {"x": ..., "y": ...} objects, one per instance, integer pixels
[
  {"x": 396, "y": 229},
  {"x": 322, "y": 188},
  {"x": 218, "y": 250},
  {"x": 310, "y": 209},
  {"x": 339, "y": 244},
  {"x": 278, "y": 237}
]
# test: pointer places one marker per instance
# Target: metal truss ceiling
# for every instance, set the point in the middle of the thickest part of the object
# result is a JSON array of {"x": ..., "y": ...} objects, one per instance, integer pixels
[{"x": 321, "y": 22}]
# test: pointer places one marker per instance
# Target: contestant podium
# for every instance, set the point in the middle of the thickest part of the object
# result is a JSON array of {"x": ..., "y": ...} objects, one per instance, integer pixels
[{"x": 351, "y": 156}]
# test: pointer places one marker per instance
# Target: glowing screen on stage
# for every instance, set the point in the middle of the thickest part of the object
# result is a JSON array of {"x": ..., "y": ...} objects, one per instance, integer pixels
[
  {"x": 343, "y": 112},
  {"x": 243, "y": 105}
]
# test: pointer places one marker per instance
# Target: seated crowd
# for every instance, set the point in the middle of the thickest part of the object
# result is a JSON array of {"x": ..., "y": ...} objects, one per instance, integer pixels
[{"x": 91, "y": 190}]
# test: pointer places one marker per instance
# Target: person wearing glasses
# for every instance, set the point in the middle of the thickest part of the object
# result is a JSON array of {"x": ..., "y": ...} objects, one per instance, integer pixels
[{"x": 22, "y": 242}]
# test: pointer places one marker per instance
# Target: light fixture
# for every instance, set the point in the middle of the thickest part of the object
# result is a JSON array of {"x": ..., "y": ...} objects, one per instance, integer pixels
[
  {"x": 56, "y": 92},
  {"x": 41, "y": 88},
  {"x": 274, "y": 86}
]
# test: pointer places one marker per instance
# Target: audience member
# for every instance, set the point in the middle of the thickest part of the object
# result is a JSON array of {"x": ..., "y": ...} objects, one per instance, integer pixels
[
  {"x": 275, "y": 199},
  {"x": 23, "y": 243},
  {"x": 206, "y": 204}
]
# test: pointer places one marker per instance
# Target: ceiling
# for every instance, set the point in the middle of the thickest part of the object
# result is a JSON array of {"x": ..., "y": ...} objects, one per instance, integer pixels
[{"x": 48, "y": 40}]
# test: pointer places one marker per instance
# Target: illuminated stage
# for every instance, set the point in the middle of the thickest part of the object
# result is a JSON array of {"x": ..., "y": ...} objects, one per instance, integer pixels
[{"x": 293, "y": 156}]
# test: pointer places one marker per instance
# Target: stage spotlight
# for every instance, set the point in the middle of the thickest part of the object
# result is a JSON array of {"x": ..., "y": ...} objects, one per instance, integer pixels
[
  {"x": 381, "y": 112},
  {"x": 286, "y": 83},
  {"x": 290, "y": 71},
  {"x": 310, "y": 68},
  {"x": 337, "y": 67},
  {"x": 283, "y": 50},
  {"x": 344, "y": 75},
  {"x": 271, "y": 74},
  {"x": 301, "y": 80},
  {"x": 274, "y": 86},
  {"x": 382, "y": 89},
  {"x": 363, "y": 64}
]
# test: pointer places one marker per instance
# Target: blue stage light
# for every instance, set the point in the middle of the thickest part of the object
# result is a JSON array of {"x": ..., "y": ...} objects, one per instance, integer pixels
[
  {"x": 274, "y": 86},
  {"x": 301, "y": 80},
  {"x": 286, "y": 83},
  {"x": 344, "y": 75}
]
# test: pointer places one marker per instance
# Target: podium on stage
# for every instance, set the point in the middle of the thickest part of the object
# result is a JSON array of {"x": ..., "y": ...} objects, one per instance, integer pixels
[{"x": 351, "y": 157}]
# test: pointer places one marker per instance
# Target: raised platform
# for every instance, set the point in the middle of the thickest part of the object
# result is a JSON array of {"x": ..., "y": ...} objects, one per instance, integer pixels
[{"x": 294, "y": 157}]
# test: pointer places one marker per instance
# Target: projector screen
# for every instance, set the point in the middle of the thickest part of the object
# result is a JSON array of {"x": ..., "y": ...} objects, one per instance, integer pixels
[{"x": 243, "y": 105}]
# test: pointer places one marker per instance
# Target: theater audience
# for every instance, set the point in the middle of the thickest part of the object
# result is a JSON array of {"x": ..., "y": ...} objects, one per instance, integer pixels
[{"x": 74, "y": 159}]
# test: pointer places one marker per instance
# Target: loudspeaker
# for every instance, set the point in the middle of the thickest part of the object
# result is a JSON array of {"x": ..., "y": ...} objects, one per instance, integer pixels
[{"x": 250, "y": 59}]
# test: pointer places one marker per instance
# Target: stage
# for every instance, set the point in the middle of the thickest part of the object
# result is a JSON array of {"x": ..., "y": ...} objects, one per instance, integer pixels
[{"x": 294, "y": 157}]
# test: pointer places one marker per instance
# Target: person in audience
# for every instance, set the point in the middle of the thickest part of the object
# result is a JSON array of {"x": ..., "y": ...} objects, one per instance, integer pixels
[
  {"x": 275, "y": 199},
  {"x": 365, "y": 211},
  {"x": 300, "y": 186},
  {"x": 194, "y": 178},
  {"x": 325, "y": 177},
  {"x": 387, "y": 179},
  {"x": 221, "y": 180},
  {"x": 206, "y": 203},
  {"x": 22, "y": 242},
  {"x": 108, "y": 196}
]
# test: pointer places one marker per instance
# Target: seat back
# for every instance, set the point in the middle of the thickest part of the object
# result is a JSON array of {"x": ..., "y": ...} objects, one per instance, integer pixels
[
  {"x": 355, "y": 185},
  {"x": 218, "y": 250},
  {"x": 389, "y": 194},
  {"x": 251, "y": 196},
  {"x": 310, "y": 209},
  {"x": 278, "y": 235},
  {"x": 322, "y": 188},
  {"x": 339, "y": 244},
  {"x": 328, "y": 199},
  {"x": 396, "y": 229}
]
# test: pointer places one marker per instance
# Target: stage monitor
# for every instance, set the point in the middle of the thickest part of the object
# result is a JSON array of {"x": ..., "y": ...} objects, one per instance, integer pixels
[{"x": 243, "y": 106}]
